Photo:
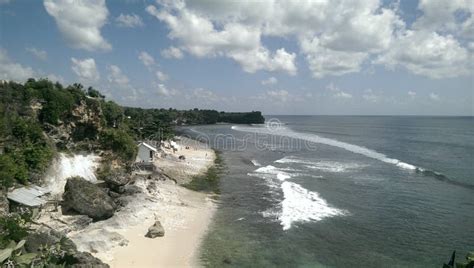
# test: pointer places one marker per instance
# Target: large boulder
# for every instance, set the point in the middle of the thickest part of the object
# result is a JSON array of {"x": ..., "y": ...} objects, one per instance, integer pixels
[
  {"x": 88, "y": 199},
  {"x": 42, "y": 239},
  {"x": 116, "y": 179},
  {"x": 86, "y": 260},
  {"x": 156, "y": 230}
]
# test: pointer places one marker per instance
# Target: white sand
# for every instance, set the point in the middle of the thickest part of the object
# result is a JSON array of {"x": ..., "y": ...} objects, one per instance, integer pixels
[
  {"x": 185, "y": 222},
  {"x": 198, "y": 159},
  {"x": 185, "y": 215},
  {"x": 184, "y": 227}
]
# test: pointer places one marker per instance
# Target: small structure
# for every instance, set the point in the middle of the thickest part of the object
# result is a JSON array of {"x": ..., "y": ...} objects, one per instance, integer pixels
[
  {"x": 174, "y": 146},
  {"x": 30, "y": 196},
  {"x": 146, "y": 153}
]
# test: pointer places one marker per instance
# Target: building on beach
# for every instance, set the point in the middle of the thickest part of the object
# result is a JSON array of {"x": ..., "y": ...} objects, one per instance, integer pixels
[{"x": 146, "y": 153}]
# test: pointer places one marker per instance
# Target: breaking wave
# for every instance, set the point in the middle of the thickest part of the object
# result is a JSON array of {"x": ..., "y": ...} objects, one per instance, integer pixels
[
  {"x": 301, "y": 205},
  {"x": 298, "y": 204},
  {"x": 283, "y": 131},
  {"x": 66, "y": 166},
  {"x": 327, "y": 166},
  {"x": 255, "y": 163}
]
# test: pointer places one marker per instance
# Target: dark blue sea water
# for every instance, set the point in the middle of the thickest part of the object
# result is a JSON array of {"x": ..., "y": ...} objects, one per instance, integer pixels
[{"x": 343, "y": 191}]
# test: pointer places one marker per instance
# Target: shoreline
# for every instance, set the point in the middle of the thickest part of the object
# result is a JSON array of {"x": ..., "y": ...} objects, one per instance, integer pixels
[
  {"x": 181, "y": 244},
  {"x": 185, "y": 215}
]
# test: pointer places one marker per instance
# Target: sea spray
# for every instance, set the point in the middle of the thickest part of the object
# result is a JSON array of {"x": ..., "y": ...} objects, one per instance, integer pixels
[
  {"x": 301, "y": 205},
  {"x": 65, "y": 166},
  {"x": 298, "y": 204}
]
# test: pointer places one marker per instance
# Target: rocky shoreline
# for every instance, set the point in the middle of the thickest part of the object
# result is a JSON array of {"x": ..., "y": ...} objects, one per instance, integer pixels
[{"x": 97, "y": 216}]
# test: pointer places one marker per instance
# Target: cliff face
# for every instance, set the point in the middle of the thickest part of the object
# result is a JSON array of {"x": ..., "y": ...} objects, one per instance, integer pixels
[{"x": 83, "y": 124}]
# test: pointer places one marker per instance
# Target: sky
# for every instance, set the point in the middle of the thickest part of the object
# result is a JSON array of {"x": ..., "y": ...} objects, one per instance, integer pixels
[{"x": 340, "y": 57}]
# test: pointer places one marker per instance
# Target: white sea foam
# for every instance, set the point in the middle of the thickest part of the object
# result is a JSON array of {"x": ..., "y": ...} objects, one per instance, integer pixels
[
  {"x": 283, "y": 131},
  {"x": 298, "y": 204},
  {"x": 328, "y": 166},
  {"x": 255, "y": 163},
  {"x": 270, "y": 172},
  {"x": 66, "y": 166},
  {"x": 301, "y": 205}
]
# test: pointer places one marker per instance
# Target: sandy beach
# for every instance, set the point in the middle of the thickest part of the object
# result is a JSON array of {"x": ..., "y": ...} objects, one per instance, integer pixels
[
  {"x": 184, "y": 225},
  {"x": 184, "y": 214}
]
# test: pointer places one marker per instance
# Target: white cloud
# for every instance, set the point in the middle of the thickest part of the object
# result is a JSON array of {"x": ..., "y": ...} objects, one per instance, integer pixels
[
  {"x": 262, "y": 59},
  {"x": 80, "y": 22},
  {"x": 38, "y": 53},
  {"x": 198, "y": 35},
  {"x": 116, "y": 75},
  {"x": 10, "y": 70},
  {"x": 161, "y": 76},
  {"x": 428, "y": 54},
  {"x": 335, "y": 37},
  {"x": 338, "y": 93},
  {"x": 434, "y": 96},
  {"x": 172, "y": 52},
  {"x": 342, "y": 95},
  {"x": 323, "y": 61},
  {"x": 440, "y": 16},
  {"x": 129, "y": 20},
  {"x": 85, "y": 69},
  {"x": 162, "y": 90},
  {"x": 146, "y": 59},
  {"x": 412, "y": 94},
  {"x": 270, "y": 81}
]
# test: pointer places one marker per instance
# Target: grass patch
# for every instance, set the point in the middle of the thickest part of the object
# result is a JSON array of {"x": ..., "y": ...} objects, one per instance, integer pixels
[{"x": 209, "y": 181}]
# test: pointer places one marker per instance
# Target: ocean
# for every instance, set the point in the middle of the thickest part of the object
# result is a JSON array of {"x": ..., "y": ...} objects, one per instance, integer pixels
[{"x": 342, "y": 191}]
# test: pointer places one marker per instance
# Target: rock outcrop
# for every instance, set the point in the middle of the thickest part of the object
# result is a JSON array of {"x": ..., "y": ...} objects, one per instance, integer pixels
[
  {"x": 84, "y": 123},
  {"x": 88, "y": 199},
  {"x": 156, "y": 230},
  {"x": 116, "y": 179},
  {"x": 42, "y": 239}
]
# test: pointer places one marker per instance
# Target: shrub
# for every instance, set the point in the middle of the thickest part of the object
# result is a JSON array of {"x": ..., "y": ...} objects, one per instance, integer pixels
[
  {"x": 8, "y": 171},
  {"x": 120, "y": 142},
  {"x": 14, "y": 227}
]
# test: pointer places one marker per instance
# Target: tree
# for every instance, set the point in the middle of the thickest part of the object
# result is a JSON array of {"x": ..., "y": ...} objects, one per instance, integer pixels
[{"x": 120, "y": 142}]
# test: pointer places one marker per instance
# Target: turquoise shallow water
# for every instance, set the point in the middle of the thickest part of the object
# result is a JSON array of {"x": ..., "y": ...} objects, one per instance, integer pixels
[{"x": 335, "y": 191}]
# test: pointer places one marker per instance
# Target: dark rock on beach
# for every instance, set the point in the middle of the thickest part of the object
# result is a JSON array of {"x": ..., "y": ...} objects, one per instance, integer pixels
[
  {"x": 88, "y": 199},
  {"x": 86, "y": 260},
  {"x": 72, "y": 257},
  {"x": 116, "y": 179},
  {"x": 156, "y": 230},
  {"x": 35, "y": 241}
]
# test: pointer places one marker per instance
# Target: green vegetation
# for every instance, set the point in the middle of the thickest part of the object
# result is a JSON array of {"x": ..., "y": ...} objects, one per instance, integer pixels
[
  {"x": 159, "y": 123},
  {"x": 39, "y": 118},
  {"x": 13, "y": 227},
  {"x": 119, "y": 142},
  {"x": 14, "y": 236},
  {"x": 69, "y": 114},
  {"x": 242, "y": 118},
  {"x": 208, "y": 182}
]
